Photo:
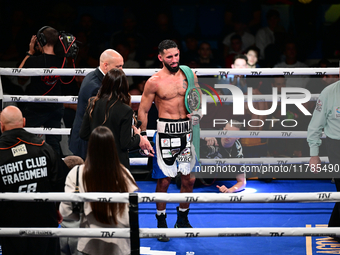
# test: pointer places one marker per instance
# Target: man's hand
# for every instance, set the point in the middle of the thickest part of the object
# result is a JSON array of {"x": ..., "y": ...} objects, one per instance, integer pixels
[
  {"x": 32, "y": 45},
  {"x": 136, "y": 131},
  {"x": 145, "y": 146},
  {"x": 211, "y": 141},
  {"x": 314, "y": 160},
  {"x": 224, "y": 189},
  {"x": 195, "y": 117},
  {"x": 314, "y": 163}
]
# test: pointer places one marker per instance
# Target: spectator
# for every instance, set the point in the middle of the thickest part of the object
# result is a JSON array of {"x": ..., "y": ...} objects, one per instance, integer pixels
[
  {"x": 102, "y": 172},
  {"x": 135, "y": 39},
  {"x": 252, "y": 54},
  {"x": 163, "y": 29},
  {"x": 124, "y": 49},
  {"x": 240, "y": 62},
  {"x": 108, "y": 59},
  {"x": 291, "y": 61},
  {"x": 222, "y": 148},
  {"x": 43, "y": 171},
  {"x": 68, "y": 245},
  {"x": 249, "y": 11},
  {"x": 236, "y": 49},
  {"x": 265, "y": 36},
  {"x": 191, "y": 46},
  {"x": 240, "y": 28},
  {"x": 89, "y": 32},
  {"x": 111, "y": 108},
  {"x": 205, "y": 56},
  {"x": 44, "y": 114},
  {"x": 87, "y": 55}
]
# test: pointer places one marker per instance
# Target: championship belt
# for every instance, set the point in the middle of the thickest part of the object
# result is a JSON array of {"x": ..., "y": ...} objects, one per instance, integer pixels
[{"x": 192, "y": 103}]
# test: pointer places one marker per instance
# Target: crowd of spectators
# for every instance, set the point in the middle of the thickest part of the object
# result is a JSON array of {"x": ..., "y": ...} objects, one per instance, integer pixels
[{"x": 138, "y": 30}]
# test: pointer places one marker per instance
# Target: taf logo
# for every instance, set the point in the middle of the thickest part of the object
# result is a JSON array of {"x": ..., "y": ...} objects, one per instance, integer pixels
[{"x": 338, "y": 110}]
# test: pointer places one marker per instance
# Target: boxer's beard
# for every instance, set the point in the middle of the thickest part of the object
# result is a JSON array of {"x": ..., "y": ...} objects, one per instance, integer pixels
[{"x": 172, "y": 69}]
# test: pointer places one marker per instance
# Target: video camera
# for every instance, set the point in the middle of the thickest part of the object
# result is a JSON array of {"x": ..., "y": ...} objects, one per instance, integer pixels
[{"x": 69, "y": 43}]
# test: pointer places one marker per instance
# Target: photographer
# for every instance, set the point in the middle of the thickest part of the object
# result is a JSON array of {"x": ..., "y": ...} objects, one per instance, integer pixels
[
  {"x": 221, "y": 148},
  {"x": 44, "y": 114}
]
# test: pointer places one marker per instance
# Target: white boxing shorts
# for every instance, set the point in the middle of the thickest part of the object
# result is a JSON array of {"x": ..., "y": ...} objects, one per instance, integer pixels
[{"x": 174, "y": 146}]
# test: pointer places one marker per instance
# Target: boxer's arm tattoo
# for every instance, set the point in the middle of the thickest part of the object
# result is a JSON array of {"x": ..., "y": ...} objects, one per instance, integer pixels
[{"x": 185, "y": 84}]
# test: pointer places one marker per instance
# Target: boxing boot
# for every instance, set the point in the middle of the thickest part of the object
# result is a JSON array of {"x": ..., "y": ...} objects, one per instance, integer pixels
[
  {"x": 182, "y": 219},
  {"x": 161, "y": 223}
]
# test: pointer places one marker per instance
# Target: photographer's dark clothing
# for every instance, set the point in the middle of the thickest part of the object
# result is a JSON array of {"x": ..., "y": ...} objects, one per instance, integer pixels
[
  {"x": 216, "y": 152},
  {"x": 28, "y": 164},
  {"x": 45, "y": 114},
  {"x": 219, "y": 151},
  {"x": 49, "y": 85}
]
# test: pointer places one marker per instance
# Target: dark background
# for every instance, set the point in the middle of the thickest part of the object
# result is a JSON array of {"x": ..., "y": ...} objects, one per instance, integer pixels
[{"x": 311, "y": 24}]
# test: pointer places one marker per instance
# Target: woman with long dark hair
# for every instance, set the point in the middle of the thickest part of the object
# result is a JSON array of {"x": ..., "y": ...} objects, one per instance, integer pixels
[
  {"x": 111, "y": 108},
  {"x": 102, "y": 172}
]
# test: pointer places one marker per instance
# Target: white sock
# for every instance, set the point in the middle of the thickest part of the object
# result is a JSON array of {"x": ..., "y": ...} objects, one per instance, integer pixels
[
  {"x": 182, "y": 210},
  {"x": 160, "y": 212}
]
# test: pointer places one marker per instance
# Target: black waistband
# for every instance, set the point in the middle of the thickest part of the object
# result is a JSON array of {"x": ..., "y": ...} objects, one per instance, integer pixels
[{"x": 172, "y": 120}]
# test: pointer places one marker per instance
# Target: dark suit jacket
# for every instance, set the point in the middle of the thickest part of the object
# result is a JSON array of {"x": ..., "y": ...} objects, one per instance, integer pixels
[
  {"x": 119, "y": 121},
  {"x": 89, "y": 88}
]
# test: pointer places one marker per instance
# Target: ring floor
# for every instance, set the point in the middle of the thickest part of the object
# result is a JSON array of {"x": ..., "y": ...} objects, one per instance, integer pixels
[{"x": 224, "y": 215}]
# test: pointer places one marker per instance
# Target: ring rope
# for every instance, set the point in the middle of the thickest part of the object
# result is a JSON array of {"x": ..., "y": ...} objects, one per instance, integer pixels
[
  {"x": 156, "y": 232},
  {"x": 234, "y": 232},
  {"x": 137, "y": 99},
  {"x": 151, "y": 71},
  {"x": 307, "y": 197},
  {"x": 244, "y": 161},
  {"x": 260, "y": 161},
  {"x": 41, "y": 99},
  {"x": 204, "y": 133},
  {"x": 255, "y": 134},
  {"x": 48, "y": 131}
]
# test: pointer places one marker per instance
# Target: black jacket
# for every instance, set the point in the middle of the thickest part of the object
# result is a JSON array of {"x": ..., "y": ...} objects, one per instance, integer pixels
[
  {"x": 88, "y": 89},
  {"x": 119, "y": 122},
  {"x": 28, "y": 164},
  {"x": 49, "y": 85}
]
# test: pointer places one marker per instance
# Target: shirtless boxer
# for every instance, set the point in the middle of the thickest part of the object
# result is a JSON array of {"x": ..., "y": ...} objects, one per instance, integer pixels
[{"x": 167, "y": 89}]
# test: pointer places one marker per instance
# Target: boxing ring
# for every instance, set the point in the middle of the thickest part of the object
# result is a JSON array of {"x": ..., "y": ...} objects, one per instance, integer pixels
[{"x": 137, "y": 233}]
